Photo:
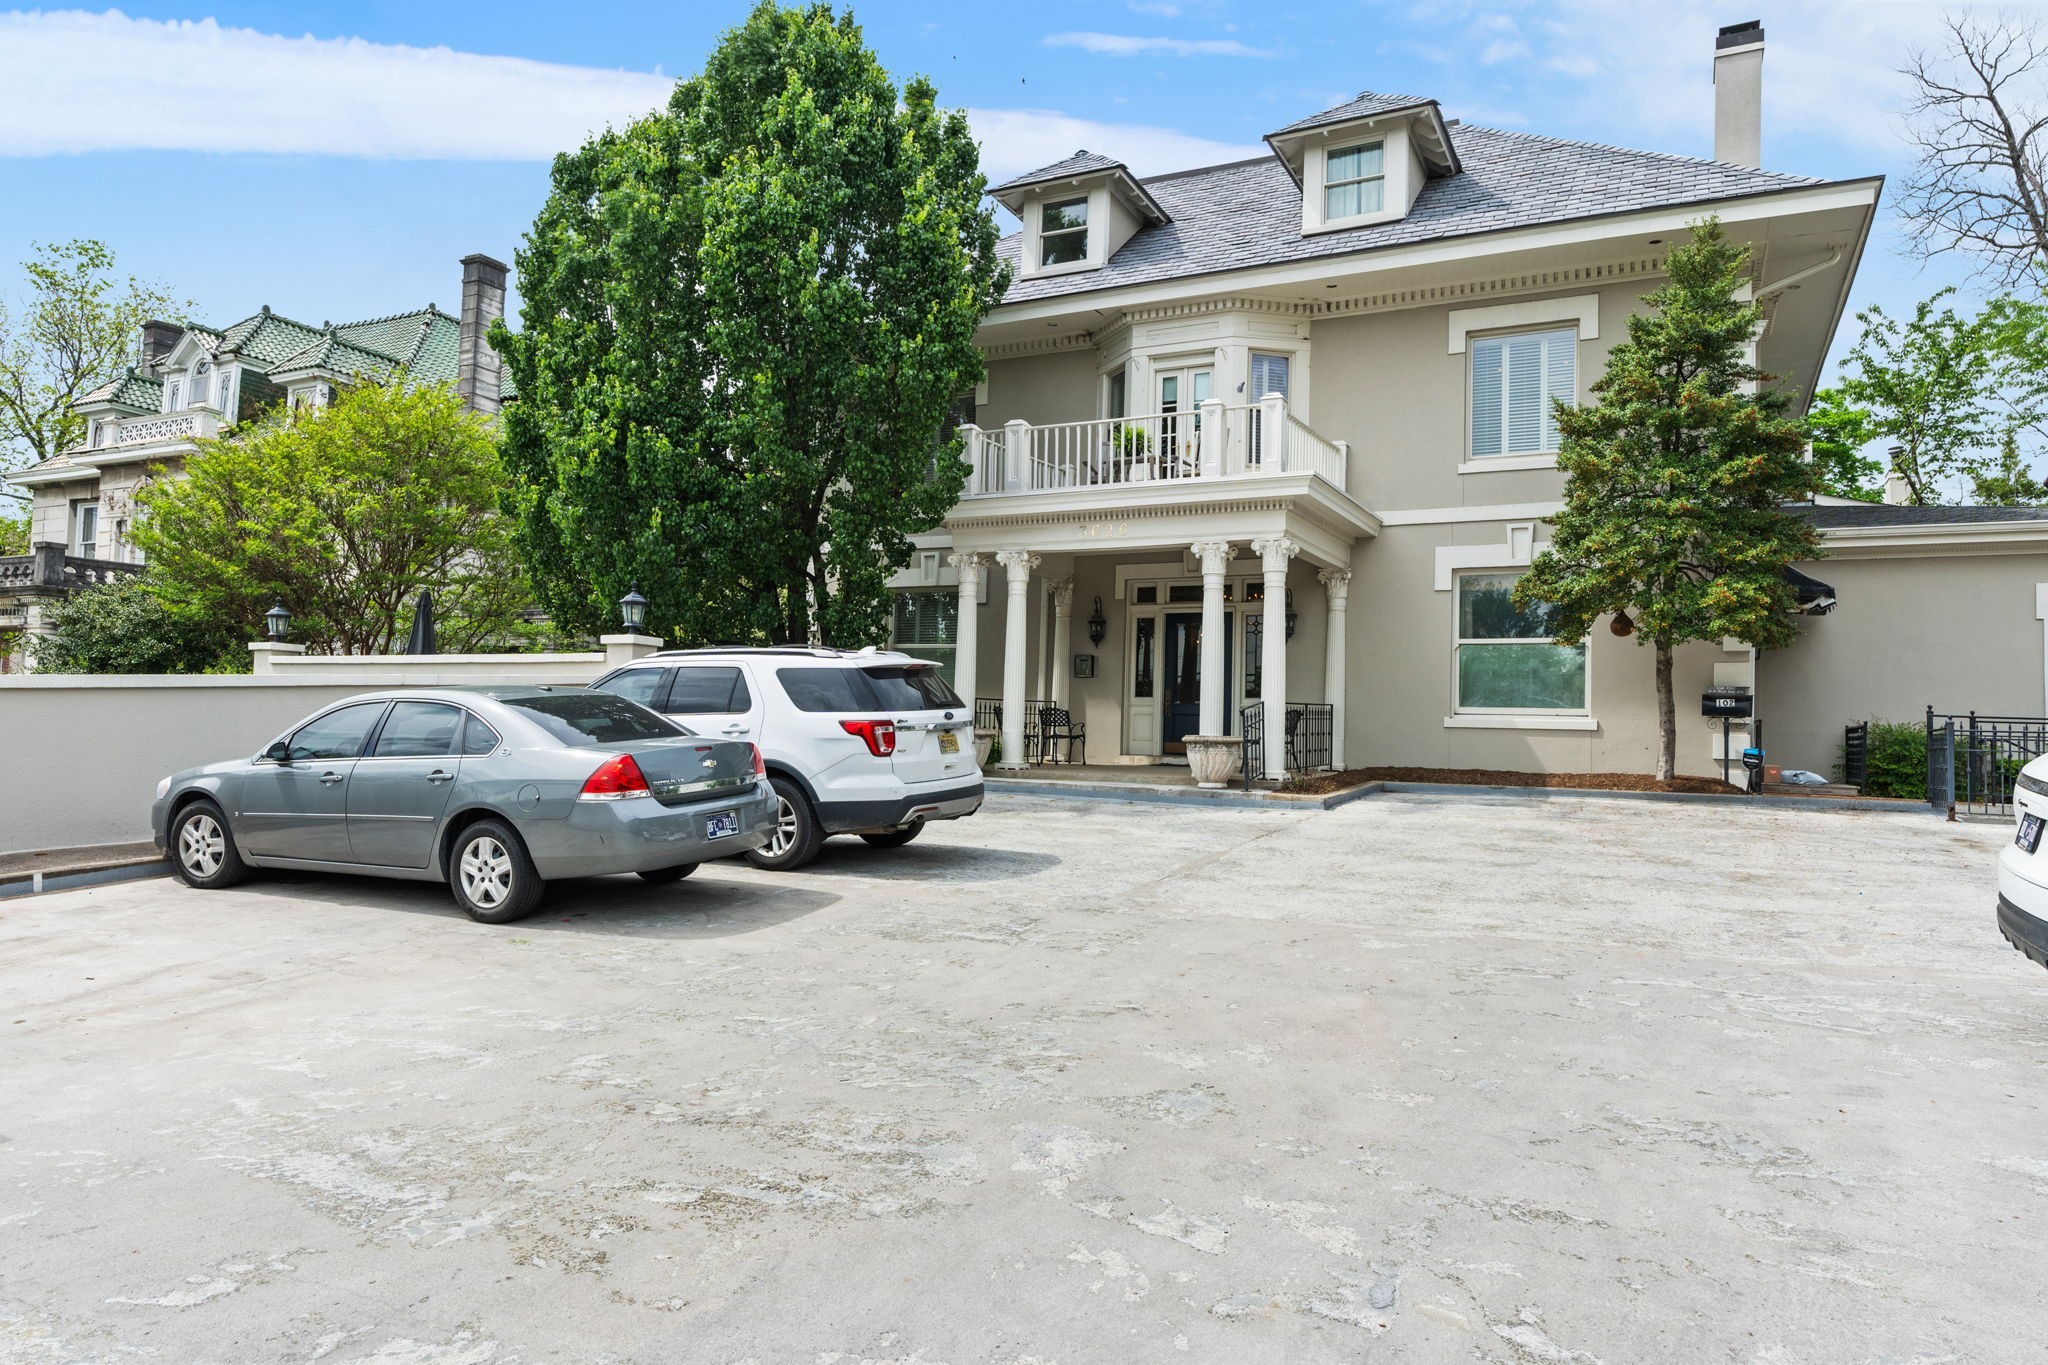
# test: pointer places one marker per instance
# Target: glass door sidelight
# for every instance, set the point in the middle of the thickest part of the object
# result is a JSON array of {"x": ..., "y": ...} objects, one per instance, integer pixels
[{"x": 1181, "y": 394}]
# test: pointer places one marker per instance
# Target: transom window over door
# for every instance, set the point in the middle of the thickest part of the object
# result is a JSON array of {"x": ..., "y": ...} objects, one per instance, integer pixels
[
  {"x": 1514, "y": 380},
  {"x": 1063, "y": 232},
  {"x": 1354, "y": 180},
  {"x": 1507, "y": 658}
]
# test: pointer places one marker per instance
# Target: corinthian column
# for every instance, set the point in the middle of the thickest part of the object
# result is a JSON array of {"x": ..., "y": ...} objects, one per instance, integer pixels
[
  {"x": 1214, "y": 554},
  {"x": 966, "y": 638},
  {"x": 1062, "y": 637},
  {"x": 1336, "y": 587},
  {"x": 1018, "y": 564},
  {"x": 1273, "y": 553}
]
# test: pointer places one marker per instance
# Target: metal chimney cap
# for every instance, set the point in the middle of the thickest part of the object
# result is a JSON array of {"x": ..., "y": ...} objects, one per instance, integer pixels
[{"x": 1740, "y": 35}]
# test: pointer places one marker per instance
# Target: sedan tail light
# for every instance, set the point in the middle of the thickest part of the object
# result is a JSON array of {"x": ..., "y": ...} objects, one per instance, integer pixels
[
  {"x": 880, "y": 735},
  {"x": 760, "y": 763},
  {"x": 618, "y": 778}
]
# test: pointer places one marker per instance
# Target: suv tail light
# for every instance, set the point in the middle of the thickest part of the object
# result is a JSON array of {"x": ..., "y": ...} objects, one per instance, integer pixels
[
  {"x": 760, "y": 763},
  {"x": 618, "y": 778},
  {"x": 880, "y": 735}
]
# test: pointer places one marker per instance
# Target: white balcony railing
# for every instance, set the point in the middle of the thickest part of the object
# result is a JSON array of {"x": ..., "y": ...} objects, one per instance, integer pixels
[
  {"x": 155, "y": 429},
  {"x": 1216, "y": 441}
]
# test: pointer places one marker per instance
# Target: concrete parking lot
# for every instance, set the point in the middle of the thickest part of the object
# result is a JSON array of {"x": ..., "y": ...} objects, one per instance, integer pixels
[{"x": 1544, "y": 1079}]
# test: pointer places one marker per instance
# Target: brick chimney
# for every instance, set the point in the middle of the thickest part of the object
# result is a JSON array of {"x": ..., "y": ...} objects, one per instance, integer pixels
[
  {"x": 158, "y": 339},
  {"x": 1739, "y": 94},
  {"x": 1897, "y": 492},
  {"x": 483, "y": 302}
]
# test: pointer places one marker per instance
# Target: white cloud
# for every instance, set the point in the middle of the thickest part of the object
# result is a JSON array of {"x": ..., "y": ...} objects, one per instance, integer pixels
[
  {"x": 1132, "y": 45},
  {"x": 72, "y": 82},
  {"x": 1161, "y": 9},
  {"x": 77, "y": 82}
]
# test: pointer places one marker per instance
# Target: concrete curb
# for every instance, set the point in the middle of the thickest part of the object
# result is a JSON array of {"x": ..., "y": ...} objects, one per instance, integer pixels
[
  {"x": 1235, "y": 798},
  {"x": 37, "y": 883}
]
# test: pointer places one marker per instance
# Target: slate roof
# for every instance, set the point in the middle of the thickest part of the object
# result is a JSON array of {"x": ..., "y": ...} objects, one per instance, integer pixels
[
  {"x": 1080, "y": 163},
  {"x": 1884, "y": 514},
  {"x": 131, "y": 390},
  {"x": 1365, "y": 106},
  {"x": 1248, "y": 213}
]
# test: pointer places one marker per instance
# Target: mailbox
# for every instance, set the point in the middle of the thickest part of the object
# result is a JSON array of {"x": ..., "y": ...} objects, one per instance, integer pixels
[{"x": 1727, "y": 703}]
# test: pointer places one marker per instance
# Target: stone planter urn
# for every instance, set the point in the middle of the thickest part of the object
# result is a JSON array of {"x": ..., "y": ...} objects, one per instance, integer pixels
[
  {"x": 984, "y": 742},
  {"x": 1215, "y": 759}
]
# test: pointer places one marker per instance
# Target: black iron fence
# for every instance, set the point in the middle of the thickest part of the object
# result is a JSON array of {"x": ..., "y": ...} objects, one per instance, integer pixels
[
  {"x": 1308, "y": 731},
  {"x": 1856, "y": 756},
  {"x": 1973, "y": 761},
  {"x": 988, "y": 715}
]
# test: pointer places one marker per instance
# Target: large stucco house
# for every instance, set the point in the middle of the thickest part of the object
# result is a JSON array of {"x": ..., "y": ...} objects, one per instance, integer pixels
[
  {"x": 194, "y": 382},
  {"x": 1278, "y": 429}
]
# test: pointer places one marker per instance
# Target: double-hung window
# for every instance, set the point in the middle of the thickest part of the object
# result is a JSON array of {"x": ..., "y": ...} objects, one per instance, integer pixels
[
  {"x": 1354, "y": 181},
  {"x": 1063, "y": 232},
  {"x": 1507, "y": 658},
  {"x": 927, "y": 626},
  {"x": 85, "y": 529},
  {"x": 1514, "y": 380}
]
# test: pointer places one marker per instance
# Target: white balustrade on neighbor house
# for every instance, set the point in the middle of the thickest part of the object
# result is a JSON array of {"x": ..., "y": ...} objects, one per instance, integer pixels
[
  {"x": 189, "y": 425},
  {"x": 1216, "y": 441}
]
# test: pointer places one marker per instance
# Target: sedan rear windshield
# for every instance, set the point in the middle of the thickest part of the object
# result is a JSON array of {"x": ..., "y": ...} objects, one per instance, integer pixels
[
  {"x": 911, "y": 689},
  {"x": 579, "y": 718}
]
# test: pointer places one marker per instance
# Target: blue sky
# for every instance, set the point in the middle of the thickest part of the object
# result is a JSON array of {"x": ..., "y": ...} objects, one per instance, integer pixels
[{"x": 334, "y": 161}]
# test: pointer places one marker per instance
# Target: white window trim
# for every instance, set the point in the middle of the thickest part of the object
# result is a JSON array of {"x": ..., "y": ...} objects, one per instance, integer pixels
[
  {"x": 1398, "y": 174},
  {"x": 1087, "y": 225},
  {"x": 1583, "y": 309},
  {"x": 1541, "y": 459},
  {"x": 1098, "y": 233},
  {"x": 1329, "y": 184},
  {"x": 1508, "y": 717},
  {"x": 1502, "y": 464},
  {"x": 1503, "y": 720}
]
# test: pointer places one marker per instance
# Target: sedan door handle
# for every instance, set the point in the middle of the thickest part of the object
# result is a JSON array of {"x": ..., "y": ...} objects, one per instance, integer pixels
[
  {"x": 734, "y": 730},
  {"x": 438, "y": 776},
  {"x": 329, "y": 779}
]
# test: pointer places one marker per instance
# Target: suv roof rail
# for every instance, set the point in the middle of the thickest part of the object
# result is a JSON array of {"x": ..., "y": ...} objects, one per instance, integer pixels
[{"x": 797, "y": 651}]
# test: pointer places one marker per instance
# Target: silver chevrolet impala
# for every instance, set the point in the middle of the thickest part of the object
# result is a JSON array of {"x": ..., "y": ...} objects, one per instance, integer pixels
[{"x": 494, "y": 790}]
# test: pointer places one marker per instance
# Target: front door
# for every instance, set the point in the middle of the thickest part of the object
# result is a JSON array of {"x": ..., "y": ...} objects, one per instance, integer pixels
[{"x": 1183, "y": 677}]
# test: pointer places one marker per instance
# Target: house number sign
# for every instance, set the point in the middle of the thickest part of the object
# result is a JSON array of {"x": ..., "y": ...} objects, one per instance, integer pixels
[{"x": 1105, "y": 530}]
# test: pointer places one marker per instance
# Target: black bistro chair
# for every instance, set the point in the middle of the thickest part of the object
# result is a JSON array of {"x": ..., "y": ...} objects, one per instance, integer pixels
[{"x": 1055, "y": 728}]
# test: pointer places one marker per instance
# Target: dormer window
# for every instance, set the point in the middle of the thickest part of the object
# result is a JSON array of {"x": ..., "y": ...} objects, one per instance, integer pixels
[
  {"x": 1063, "y": 232},
  {"x": 202, "y": 383},
  {"x": 1355, "y": 180}
]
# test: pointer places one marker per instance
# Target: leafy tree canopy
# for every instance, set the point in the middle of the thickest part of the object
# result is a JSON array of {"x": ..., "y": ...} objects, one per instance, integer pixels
[
  {"x": 128, "y": 626},
  {"x": 1840, "y": 432},
  {"x": 343, "y": 514},
  {"x": 1676, "y": 480},
  {"x": 72, "y": 328},
  {"x": 744, "y": 319}
]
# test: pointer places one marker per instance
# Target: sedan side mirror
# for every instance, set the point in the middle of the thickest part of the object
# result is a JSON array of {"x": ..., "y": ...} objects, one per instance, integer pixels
[{"x": 279, "y": 752}]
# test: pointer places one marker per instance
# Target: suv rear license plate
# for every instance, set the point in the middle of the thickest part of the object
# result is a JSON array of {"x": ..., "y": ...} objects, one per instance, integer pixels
[
  {"x": 949, "y": 741},
  {"x": 722, "y": 825},
  {"x": 2029, "y": 837}
]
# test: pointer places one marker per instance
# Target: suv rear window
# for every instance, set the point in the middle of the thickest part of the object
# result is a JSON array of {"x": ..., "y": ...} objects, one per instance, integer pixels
[
  {"x": 825, "y": 689},
  {"x": 911, "y": 689},
  {"x": 578, "y": 718}
]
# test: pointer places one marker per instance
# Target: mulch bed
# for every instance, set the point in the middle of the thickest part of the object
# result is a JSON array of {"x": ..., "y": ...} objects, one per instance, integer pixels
[{"x": 1323, "y": 784}]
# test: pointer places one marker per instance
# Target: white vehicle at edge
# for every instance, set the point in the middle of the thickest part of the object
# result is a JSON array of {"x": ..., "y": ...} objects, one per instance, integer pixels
[
  {"x": 2023, "y": 867},
  {"x": 867, "y": 742}
]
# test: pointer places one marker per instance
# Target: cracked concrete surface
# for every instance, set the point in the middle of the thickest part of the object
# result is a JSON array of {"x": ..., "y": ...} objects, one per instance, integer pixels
[{"x": 1495, "y": 1080}]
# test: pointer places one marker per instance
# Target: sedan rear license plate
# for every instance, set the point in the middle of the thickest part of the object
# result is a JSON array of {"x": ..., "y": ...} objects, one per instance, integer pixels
[
  {"x": 722, "y": 825},
  {"x": 2029, "y": 836},
  {"x": 949, "y": 741}
]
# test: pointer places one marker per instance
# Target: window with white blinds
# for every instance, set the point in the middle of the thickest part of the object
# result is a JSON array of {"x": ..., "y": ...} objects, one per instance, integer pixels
[
  {"x": 1514, "y": 379},
  {"x": 926, "y": 625},
  {"x": 1269, "y": 375}
]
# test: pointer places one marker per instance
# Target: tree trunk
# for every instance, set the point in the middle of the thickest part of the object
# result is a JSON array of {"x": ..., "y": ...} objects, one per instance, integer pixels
[{"x": 1667, "y": 716}]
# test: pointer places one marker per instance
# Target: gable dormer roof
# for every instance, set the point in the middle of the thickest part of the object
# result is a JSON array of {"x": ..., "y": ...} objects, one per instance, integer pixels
[
  {"x": 1082, "y": 165},
  {"x": 1433, "y": 136}
]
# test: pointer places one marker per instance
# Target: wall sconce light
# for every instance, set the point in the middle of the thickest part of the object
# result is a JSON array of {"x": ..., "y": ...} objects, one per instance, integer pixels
[
  {"x": 1098, "y": 625},
  {"x": 633, "y": 610},
  {"x": 1290, "y": 613}
]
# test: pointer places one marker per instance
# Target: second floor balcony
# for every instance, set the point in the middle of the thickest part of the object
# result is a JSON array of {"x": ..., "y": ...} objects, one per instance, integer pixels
[
  {"x": 1124, "y": 455},
  {"x": 111, "y": 441}
]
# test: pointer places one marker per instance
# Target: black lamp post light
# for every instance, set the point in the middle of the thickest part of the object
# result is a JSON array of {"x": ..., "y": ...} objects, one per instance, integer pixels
[
  {"x": 277, "y": 621},
  {"x": 633, "y": 610}
]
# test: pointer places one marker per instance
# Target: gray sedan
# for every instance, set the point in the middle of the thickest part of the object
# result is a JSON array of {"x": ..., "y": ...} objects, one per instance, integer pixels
[{"x": 494, "y": 790}]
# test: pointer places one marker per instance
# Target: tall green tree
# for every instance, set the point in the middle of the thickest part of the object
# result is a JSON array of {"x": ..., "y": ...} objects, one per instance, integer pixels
[
  {"x": 743, "y": 321},
  {"x": 1676, "y": 480},
  {"x": 1840, "y": 431},
  {"x": 71, "y": 328},
  {"x": 343, "y": 514}
]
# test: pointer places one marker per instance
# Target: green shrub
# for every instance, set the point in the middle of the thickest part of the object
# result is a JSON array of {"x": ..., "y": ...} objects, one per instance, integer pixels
[
  {"x": 124, "y": 627},
  {"x": 1898, "y": 759}
]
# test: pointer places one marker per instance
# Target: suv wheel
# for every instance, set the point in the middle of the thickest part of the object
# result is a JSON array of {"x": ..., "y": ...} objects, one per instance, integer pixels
[
  {"x": 493, "y": 880},
  {"x": 203, "y": 852},
  {"x": 797, "y": 832},
  {"x": 895, "y": 838}
]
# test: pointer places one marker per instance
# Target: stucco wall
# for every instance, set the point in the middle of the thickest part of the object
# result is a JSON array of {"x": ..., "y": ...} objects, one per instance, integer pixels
[
  {"x": 1958, "y": 633},
  {"x": 1041, "y": 389}
]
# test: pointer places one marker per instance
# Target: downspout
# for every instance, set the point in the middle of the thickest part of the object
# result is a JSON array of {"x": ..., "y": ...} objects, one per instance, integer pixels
[{"x": 1766, "y": 291}]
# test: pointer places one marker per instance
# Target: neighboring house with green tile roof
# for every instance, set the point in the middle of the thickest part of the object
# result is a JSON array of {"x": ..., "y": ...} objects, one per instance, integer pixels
[{"x": 194, "y": 382}]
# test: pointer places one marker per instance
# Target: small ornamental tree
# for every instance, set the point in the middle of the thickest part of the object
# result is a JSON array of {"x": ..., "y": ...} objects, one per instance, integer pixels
[
  {"x": 127, "y": 627},
  {"x": 343, "y": 513},
  {"x": 1676, "y": 480},
  {"x": 744, "y": 320}
]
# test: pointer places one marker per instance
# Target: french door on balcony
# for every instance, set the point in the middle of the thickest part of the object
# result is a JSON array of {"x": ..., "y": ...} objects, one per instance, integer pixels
[{"x": 1181, "y": 393}]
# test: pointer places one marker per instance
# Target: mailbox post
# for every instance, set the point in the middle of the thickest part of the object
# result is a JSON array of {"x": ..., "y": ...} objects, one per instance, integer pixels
[{"x": 1731, "y": 704}]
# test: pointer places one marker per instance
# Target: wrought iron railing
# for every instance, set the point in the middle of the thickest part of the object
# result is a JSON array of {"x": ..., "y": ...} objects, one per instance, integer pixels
[
  {"x": 1974, "y": 761},
  {"x": 1308, "y": 731},
  {"x": 1856, "y": 756},
  {"x": 988, "y": 715}
]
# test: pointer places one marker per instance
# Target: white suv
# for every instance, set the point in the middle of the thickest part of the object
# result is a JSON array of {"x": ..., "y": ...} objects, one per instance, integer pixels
[{"x": 868, "y": 742}]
